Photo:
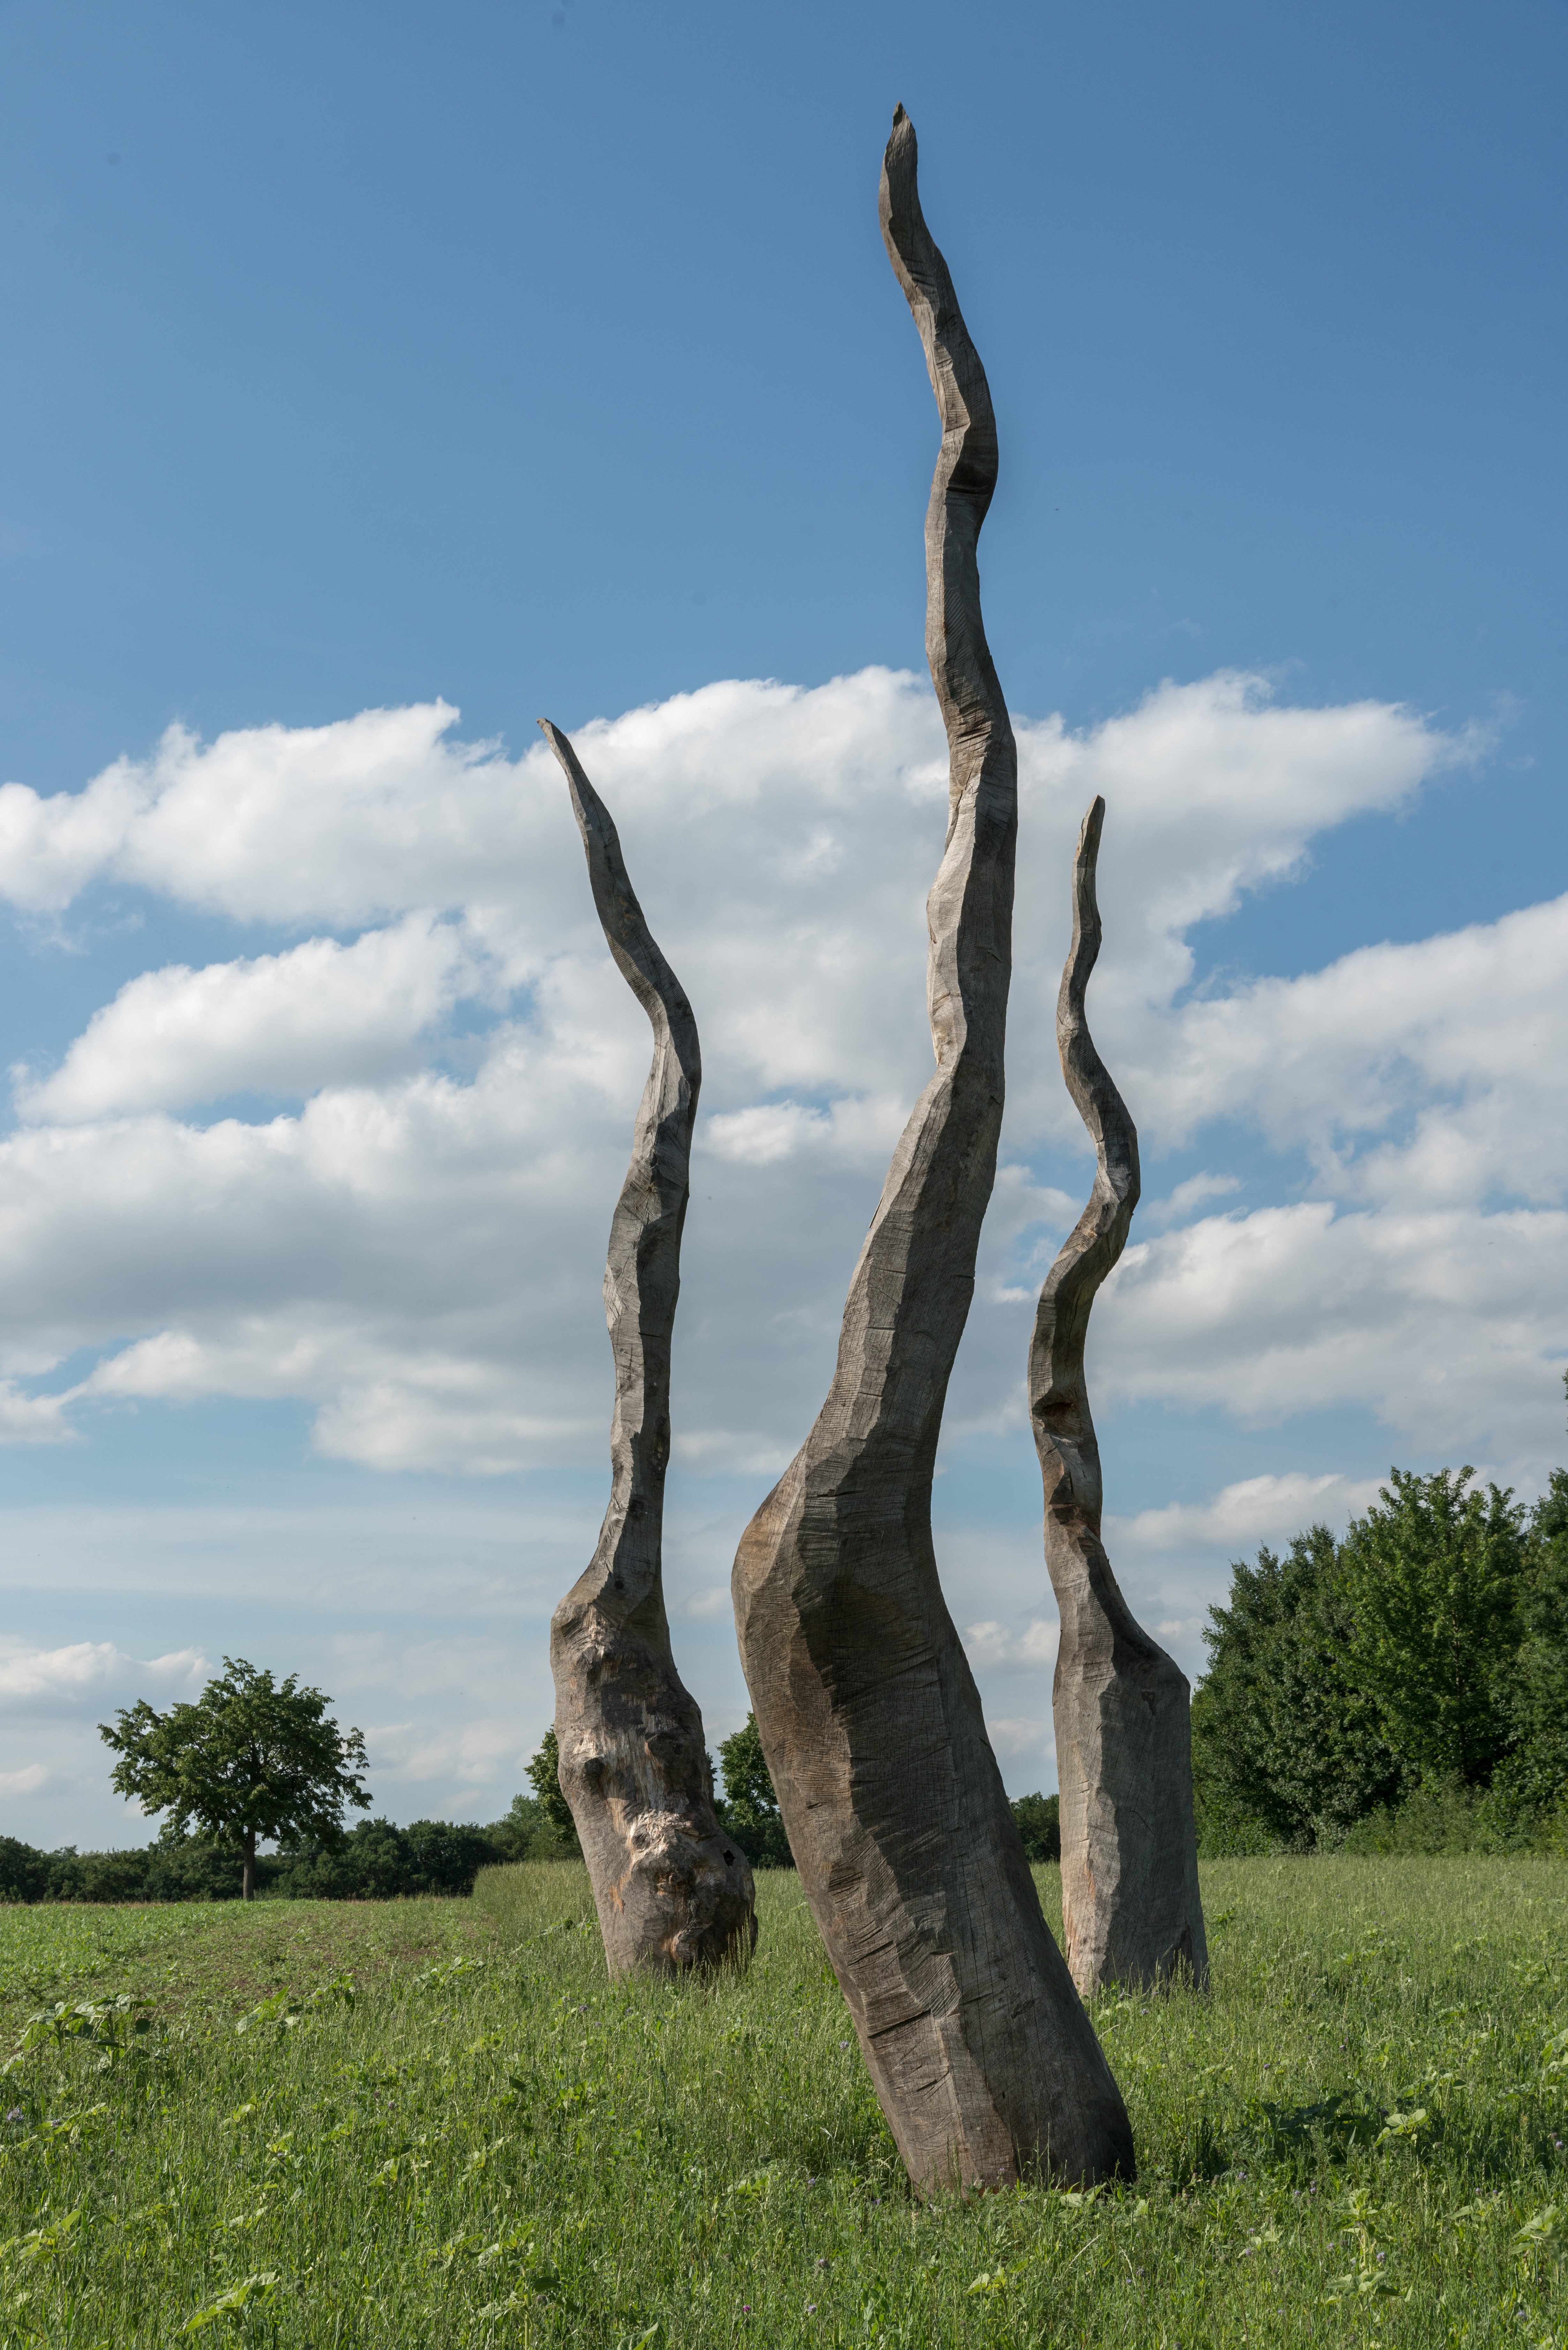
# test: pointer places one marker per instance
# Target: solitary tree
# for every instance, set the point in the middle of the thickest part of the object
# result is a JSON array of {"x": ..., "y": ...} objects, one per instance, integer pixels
[{"x": 251, "y": 1757}]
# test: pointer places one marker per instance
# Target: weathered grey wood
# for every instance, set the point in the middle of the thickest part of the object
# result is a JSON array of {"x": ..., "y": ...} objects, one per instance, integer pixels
[
  {"x": 1124, "y": 1747},
  {"x": 671, "y": 1889},
  {"x": 982, "y": 2057}
]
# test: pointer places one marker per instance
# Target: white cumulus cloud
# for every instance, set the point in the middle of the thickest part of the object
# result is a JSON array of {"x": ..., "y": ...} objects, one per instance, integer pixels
[
  {"x": 92, "y": 1672},
  {"x": 1266, "y": 1508},
  {"x": 1444, "y": 1052},
  {"x": 1449, "y": 1324},
  {"x": 281, "y": 1024},
  {"x": 414, "y": 1245},
  {"x": 1002, "y": 1648}
]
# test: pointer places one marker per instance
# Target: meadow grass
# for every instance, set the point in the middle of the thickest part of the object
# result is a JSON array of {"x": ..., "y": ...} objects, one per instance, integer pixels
[{"x": 435, "y": 2122}]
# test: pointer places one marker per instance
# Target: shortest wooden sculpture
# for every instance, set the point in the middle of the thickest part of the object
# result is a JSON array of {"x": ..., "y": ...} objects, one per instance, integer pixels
[
  {"x": 1123, "y": 1750},
  {"x": 671, "y": 1889}
]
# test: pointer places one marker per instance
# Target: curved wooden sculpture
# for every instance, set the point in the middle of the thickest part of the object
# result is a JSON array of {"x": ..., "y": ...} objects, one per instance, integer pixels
[
  {"x": 671, "y": 1889},
  {"x": 982, "y": 2057},
  {"x": 1124, "y": 1747}
]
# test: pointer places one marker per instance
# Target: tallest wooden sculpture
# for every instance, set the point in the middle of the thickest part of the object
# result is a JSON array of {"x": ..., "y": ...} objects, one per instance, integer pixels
[{"x": 983, "y": 2058}]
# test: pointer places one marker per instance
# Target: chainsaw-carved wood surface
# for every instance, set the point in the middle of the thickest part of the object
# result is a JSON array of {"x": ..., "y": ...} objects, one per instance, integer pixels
[
  {"x": 983, "y": 2058},
  {"x": 1124, "y": 1749},
  {"x": 671, "y": 1889}
]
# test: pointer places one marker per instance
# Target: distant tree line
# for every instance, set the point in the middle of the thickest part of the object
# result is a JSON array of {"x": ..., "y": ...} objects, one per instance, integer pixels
[
  {"x": 1405, "y": 1687},
  {"x": 377, "y": 1861},
  {"x": 372, "y": 1861}
]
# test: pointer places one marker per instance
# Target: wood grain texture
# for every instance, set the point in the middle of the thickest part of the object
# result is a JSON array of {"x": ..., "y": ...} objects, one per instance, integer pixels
[
  {"x": 1124, "y": 1748},
  {"x": 982, "y": 2057},
  {"x": 671, "y": 1889}
]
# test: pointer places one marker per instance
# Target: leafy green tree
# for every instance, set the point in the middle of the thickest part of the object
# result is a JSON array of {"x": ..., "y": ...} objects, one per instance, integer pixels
[
  {"x": 749, "y": 1810},
  {"x": 24, "y": 1871},
  {"x": 523, "y": 1833},
  {"x": 1433, "y": 1577},
  {"x": 101, "y": 1876},
  {"x": 1532, "y": 1779},
  {"x": 545, "y": 1777},
  {"x": 1287, "y": 1747},
  {"x": 191, "y": 1868},
  {"x": 1409, "y": 1684},
  {"x": 1039, "y": 1820},
  {"x": 251, "y": 1757},
  {"x": 446, "y": 1855}
]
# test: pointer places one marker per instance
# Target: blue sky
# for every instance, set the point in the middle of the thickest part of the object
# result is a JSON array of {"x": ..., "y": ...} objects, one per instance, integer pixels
[{"x": 548, "y": 360}]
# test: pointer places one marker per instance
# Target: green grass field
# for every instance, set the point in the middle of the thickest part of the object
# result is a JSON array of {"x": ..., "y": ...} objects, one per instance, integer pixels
[{"x": 432, "y": 2123}]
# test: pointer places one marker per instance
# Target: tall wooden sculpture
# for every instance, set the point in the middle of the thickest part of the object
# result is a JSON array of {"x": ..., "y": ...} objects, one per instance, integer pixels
[
  {"x": 672, "y": 1891},
  {"x": 1124, "y": 1749},
  {"x": 985, "y": 2063}
]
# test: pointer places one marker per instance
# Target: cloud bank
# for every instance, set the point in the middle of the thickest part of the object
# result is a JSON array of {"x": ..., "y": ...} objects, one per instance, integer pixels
[{"x": 372, "y": 1169}]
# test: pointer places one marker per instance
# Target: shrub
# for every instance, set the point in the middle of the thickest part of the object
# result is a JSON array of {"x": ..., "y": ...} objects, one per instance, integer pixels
[{"x": 1040, "y": 1825}]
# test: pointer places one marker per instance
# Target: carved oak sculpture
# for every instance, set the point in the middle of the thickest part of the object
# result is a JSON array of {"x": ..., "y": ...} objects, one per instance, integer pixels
[
  {"x": 981, "y": 2054},
  {"x": 1124, "y": 1748},
  {"x": 671, "y": 1889}
]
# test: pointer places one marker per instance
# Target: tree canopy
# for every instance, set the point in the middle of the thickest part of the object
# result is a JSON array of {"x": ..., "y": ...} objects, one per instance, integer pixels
[
  {"x": 545, "y": 1778},
  {"x": 251, "y": 1757},
  {"x": 1433, "y": 1586},
  {"x": 749, "y": 1810},
  {"x": 1039, "y": 1820},
  {"x": 1427, "y": 1650}
]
